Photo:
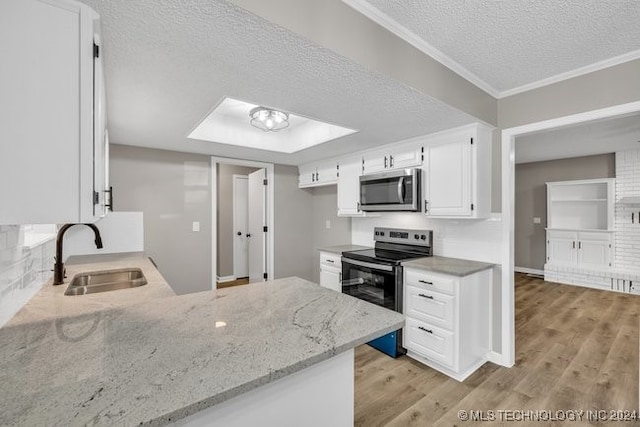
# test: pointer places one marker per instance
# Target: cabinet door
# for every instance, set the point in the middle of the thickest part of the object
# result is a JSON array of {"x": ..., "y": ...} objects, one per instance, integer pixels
[
  {"x": 306, "y": 175},
  {"x": 46, "y": 112},
  {"x": 406, "y": 158},
  {"x": 562, "y": 247},
  {"x": 326, "y": 173},
  {"x": 100, "y": 137},
  {"x": 349, "y": 188},
  {"x": 448, "y": 177},
  {"x": 330, "y": 279},
  {"x": 375, "y": 162},
  {"x": 594, "y": 250}
]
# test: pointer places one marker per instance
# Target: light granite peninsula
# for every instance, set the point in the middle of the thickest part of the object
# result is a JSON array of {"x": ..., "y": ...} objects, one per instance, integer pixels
[{"x": 270, "y": 353}]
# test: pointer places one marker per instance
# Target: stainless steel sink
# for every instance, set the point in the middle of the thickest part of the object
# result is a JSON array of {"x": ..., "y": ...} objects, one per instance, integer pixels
[{"x": 105, "y": 281}]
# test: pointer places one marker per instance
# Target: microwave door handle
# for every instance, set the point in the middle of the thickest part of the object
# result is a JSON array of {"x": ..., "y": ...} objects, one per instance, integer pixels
[{"x": 401, "y": 190}]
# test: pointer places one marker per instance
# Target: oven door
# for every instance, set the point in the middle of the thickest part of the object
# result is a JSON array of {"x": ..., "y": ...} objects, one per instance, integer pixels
[{"x": 378, "y": 284}]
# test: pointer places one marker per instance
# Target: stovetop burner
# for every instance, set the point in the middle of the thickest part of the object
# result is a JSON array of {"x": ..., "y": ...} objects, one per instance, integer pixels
[{"x": 392, "y": 246}]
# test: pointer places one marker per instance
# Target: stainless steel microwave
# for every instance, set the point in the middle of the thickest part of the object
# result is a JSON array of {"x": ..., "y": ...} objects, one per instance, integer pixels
[{"x": 391, "y": 191}]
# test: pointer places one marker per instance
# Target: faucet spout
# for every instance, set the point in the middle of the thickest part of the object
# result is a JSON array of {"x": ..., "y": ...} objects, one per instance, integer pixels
[{"x": 58, "y": 267}]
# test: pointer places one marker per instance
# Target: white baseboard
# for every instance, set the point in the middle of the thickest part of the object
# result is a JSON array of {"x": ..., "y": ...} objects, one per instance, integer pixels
[
  {"x": 224, "y": 279},
  {"x": 528, "y": 270},
  {"x": 496, "y": 358}
]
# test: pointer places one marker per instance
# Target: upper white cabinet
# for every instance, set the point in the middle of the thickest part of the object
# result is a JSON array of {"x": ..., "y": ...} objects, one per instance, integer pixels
[
  {"x": 457, "y": 173},
  {"x": 349, "y": 174},
  {"x": 317, "y": 174},
  {"x": 53, "y": 144},
  {"x": 399, "y": 157}
]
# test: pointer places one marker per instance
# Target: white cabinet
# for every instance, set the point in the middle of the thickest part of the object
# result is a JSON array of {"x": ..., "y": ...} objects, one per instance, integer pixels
[
  {"x": 447, "y": 320},
  {"x": 331, "y": 271},
  {"x": 399, "y": 157},
  {"x": 349, "y": 187},
  {"x": 52, "y": 164},
  {"x": 317, "y": 174},
  {"x": 590, "y": 250},
  {"x": 457, "y": 173}
]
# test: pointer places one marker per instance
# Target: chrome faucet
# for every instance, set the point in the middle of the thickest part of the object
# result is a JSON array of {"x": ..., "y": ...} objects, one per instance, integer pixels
[{"x": 58, "y": 267}]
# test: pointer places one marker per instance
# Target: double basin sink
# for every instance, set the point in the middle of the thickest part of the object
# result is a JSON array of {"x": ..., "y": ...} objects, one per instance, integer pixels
[{"x": 105, "y": 281}]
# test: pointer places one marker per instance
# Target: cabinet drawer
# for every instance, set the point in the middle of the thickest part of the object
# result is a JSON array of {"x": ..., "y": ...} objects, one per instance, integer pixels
[
  {"x": 428, "y": 281},
  {"x": 429, "y": 341},
  {"x": 330, "y": 260},
  {"x": 433, "y": 307}
]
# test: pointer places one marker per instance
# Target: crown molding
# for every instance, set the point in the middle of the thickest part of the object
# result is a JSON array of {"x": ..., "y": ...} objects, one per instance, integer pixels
[{"x": 414, "y": 40}]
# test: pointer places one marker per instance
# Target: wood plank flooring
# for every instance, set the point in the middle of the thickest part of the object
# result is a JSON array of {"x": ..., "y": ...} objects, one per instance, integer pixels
[
  {"x": 232, "y": 283},
  {"x": 576, "y": 348}
]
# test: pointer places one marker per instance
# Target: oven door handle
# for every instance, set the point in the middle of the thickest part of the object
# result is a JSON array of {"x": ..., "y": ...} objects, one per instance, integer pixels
[{"x": 371, "y": 265}]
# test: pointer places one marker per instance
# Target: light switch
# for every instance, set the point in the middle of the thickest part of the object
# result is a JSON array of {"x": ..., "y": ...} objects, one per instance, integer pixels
[
  {"x": 536, "y": 220},
  {"x": 328, "y": 223},
  {"x": 196, "y": 226}
]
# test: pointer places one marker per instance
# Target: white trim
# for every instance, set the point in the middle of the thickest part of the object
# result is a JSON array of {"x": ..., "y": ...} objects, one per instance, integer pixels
[
  {"x": 494, "y": 357},
  {"x": 224, "y": 279},
  {"x": 419, "y": 43},
  {"x": 528, "y": 270},
  {"x": 270, "y": 210},
  {"x": 596, "y": 66},
  {"x": 508, "y": 209}
]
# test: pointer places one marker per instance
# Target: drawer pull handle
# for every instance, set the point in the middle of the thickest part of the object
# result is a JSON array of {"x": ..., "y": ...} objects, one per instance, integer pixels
[
  {"x": 425, "y": 296},
  {"x": 425, "y": 282},
  {"x": 330, "y": 260},
  {"x": 425, "y": 329}
]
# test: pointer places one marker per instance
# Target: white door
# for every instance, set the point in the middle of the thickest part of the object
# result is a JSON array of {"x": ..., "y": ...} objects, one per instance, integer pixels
[
  {"x": 240, "y": 226},
  {"x": 257, "y": 222},
  {"x": 561, "y": 247},
  {"x": 594, "y": 250}
]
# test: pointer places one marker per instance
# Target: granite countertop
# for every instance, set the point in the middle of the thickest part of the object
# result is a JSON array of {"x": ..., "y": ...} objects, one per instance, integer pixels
[
  {"x": 51, "y": 303},
  {"x": 451, "y": 266},
  {"x": 157, "y": 361},
  {"x": 342, "y": 248}
]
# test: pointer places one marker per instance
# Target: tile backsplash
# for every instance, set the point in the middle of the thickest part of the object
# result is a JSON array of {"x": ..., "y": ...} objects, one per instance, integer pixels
[{"x": 25, "y": 266}]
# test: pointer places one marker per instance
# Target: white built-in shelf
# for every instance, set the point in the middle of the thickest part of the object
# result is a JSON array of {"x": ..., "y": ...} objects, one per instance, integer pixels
[{"x": 580, "y": 205}]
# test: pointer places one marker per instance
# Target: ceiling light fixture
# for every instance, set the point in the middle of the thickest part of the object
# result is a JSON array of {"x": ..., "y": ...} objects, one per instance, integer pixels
[{"x": 268, "y": 119}]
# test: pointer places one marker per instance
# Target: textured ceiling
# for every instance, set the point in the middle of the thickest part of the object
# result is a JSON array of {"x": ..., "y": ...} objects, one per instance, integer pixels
[
  {"x": 168, "y": 63},
  {"x": 597, "y": 137},
  {"x": 512, "y": 43}
]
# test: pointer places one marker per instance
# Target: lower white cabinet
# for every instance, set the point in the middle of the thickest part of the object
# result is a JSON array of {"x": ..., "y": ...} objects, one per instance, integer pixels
[
  {"x": 331, "y": 271},
  {"x": 447, "y": 320},
  {"x": 582, "y": 249}
]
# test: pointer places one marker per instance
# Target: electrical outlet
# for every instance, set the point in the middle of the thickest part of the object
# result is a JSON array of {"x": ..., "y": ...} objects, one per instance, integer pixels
[
  {"x": 196, "y": 226},
  {"x": 536, "y": 220},
  {"x": 327, "y": 224}
]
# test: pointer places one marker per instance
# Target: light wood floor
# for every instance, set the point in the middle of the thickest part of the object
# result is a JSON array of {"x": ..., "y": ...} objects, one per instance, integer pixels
[
  {"x": 576, "y": 348},
  {"x": 232, "y": 283}
]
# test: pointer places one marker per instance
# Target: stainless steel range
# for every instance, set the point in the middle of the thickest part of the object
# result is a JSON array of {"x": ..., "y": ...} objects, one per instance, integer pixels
[{"x": 375, "y": 275}]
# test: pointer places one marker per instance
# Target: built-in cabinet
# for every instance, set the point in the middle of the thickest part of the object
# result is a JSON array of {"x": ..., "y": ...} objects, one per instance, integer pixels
[
  {"x": 398, "y": 157},
  {"x": 52, "y": 113},
  {"x": 457, "y": 173},
  {"x": 579, "y": 229},
  {"x": 318, "y": 174},
  {"x": 331, "y": 271},
  {"x": 447, "y": 320}
]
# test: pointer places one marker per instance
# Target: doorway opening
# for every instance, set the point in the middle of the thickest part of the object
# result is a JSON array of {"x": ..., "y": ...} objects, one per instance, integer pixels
[
  {"x": 509, "y": 139},
  {"x": 242, "y": 221}
]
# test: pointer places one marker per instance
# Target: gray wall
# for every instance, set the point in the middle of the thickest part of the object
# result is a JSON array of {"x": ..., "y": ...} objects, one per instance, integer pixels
[
  {"x": 531, "y": 199},
  {"x": 225, "y": 231},
  {"x": 172, "y": 190},
  {"x": 293, "y": 226},
  {"x": 325, "y": 208}
]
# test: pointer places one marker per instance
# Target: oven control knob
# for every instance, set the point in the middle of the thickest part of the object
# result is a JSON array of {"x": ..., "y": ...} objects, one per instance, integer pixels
[
  {"x": 416, "y": 236},
  {"x": 382, "y": 233},
  {"x": 377, "y": 233},
  {"x": 423, "y": 237}
]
